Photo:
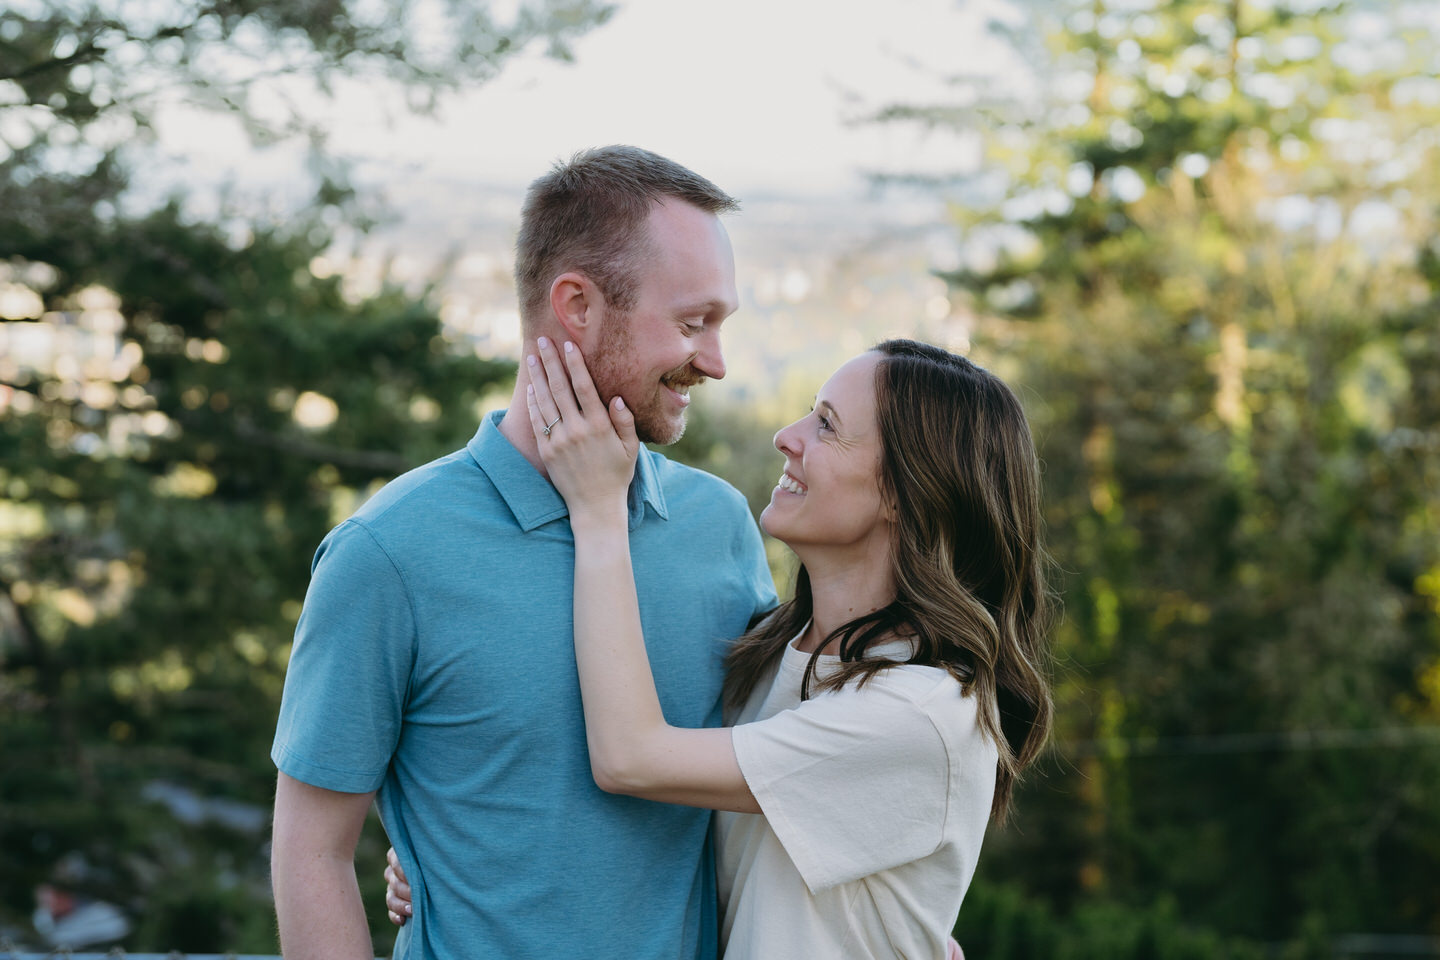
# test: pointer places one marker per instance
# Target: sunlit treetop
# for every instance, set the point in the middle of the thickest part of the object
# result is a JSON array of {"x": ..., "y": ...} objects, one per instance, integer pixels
[
  {"x": 66, "y": 66},
  {"x": 1314, "y": 118}
]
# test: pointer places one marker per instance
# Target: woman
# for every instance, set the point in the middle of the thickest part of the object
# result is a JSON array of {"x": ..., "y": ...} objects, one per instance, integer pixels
[{"x": 882, "y": 716}]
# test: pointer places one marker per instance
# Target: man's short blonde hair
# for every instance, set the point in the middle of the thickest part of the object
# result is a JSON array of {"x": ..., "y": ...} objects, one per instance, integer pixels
[{"x": 589, "y": 215}]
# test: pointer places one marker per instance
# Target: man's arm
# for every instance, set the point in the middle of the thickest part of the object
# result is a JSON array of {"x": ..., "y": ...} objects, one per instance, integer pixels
[{"x": 312, "y": 870}]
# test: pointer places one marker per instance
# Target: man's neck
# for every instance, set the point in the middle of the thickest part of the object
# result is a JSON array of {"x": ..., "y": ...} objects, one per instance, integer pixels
[{"x": 515, "y": 425}]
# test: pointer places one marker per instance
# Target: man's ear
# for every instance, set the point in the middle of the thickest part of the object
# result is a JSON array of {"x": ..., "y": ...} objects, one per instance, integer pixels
[{"x": 577, "y": 305}]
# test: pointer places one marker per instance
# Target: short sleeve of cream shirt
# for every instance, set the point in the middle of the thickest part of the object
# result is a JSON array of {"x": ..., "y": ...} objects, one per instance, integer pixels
[
  {"x": 822, "y": 772},
  {"x": 879, "y": 797}
]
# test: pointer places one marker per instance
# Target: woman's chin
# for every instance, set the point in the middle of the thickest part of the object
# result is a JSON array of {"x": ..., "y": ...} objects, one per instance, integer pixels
[
  {"x": 765, "y": 519},
  {"x": 775, "y": 527},
  {"x": 771, "y": 524}
]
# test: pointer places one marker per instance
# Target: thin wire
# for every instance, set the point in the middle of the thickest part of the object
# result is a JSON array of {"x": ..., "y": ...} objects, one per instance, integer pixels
[{"x": 1258, "y": 742}]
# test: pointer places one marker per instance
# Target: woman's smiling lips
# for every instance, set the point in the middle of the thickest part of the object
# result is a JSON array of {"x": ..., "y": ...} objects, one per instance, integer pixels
[{"x": 790, "y": 485}]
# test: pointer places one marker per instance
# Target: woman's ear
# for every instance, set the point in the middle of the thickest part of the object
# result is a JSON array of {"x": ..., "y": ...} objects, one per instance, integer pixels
[
  {"x": 889, "y": 506},
  {"x": 889, "y": 511},
  {"x": 576, "y": 304}
]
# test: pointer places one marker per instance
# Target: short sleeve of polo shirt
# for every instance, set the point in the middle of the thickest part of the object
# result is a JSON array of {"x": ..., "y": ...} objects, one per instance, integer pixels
[
  {"x": 349, "y": 670},
  {"x": 853, "y": 782}
]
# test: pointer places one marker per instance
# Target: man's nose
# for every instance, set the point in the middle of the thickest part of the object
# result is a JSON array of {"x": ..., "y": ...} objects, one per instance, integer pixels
[{"x": 710, "y": 361}]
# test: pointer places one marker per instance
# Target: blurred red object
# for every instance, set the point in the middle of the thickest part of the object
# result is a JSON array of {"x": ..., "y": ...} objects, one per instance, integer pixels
[{"x": 68, "y": 921}]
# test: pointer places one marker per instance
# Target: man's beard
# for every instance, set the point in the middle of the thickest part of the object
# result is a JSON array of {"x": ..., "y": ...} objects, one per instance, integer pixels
[{"x": 608, "y": 366}]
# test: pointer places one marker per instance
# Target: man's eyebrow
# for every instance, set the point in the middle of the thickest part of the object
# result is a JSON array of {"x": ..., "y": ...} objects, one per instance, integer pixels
[{"x": 706, "y": 307}]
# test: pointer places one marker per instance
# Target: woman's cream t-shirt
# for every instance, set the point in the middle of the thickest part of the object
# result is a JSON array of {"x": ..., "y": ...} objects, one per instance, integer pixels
[{"x": 875, "y": 803}]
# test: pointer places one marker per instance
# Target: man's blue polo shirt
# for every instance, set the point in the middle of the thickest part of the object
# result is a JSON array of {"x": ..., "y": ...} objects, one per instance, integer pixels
[{"x": 434, "y": 661}]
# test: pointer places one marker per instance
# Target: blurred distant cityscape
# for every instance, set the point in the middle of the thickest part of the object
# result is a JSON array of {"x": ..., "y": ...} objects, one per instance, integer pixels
[{"x": 819, "y": 279}]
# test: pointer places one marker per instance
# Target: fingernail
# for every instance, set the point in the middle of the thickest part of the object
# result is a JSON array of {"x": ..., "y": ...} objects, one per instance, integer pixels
[
  {"x": 619, "y": 403},
  {"x": 569, "y": 347},
  {"x": 530, "y": 359},
  {"x": 409, "y": 910},
  {"x": 530, "y": 389},
  {"x": 543, "y": 343}
]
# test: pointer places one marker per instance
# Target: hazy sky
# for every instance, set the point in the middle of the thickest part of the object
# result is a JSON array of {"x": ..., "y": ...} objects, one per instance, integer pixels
[{"x": 754, "y": 94}]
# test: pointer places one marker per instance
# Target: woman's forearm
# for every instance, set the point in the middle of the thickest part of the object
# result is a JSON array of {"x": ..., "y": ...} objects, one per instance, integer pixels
[
  {"x": 592, "y": 461},
  {"x": 622, "y": 709},
  {"x": 632, "y": 749}
]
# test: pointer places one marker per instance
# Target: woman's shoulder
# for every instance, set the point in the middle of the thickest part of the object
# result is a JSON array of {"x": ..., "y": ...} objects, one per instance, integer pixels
[
  {"x": 907, "y": 692},
  {"x": 935, "y": 694},
  {"x": 915, "y": 681}
]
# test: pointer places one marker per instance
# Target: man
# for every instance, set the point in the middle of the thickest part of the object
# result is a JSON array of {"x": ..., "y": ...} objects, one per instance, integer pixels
[{"x": 433, "y": 663}]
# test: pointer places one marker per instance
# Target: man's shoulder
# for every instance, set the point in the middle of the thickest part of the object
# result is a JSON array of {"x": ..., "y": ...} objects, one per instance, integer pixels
[{"x": 425, "y": 494}]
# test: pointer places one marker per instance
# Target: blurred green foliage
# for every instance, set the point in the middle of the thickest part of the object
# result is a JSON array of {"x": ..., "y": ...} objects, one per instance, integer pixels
[
  {"x": 1000, "y": 921},
  {"x": 1204, "y": 250},
  {"x": 1207, "y": 253},
  {"x": 187, "y": 404}
]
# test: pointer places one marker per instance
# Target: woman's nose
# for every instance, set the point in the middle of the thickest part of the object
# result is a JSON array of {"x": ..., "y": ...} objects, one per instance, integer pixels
[{"x": 786, "y": 439}]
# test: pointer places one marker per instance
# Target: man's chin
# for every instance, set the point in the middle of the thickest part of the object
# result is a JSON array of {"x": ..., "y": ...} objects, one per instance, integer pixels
[{"x": 660, "y": 431}]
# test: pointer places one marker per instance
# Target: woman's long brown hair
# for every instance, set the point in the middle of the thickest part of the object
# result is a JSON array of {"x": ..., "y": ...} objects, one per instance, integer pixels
[{"x": 959, "y": 466}]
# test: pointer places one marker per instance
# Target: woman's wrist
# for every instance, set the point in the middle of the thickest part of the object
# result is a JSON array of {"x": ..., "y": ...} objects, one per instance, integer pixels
[{"x": 600, "y": 519}]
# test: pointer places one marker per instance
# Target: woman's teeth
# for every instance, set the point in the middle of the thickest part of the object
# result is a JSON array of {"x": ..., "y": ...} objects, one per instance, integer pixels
[{"x": 790, "y": 484}]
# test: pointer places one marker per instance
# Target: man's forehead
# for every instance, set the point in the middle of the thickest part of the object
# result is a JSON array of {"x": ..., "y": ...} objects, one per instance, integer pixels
[{"x": 693, "y": 267}]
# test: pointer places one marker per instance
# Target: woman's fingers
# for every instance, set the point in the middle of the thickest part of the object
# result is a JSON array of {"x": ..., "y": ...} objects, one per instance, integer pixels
[
  {"x": 397, "y": 890},
  {"x": 397, "y": 906},
  {"x": 585, "y": 392},
  {"x": 558, "y": 380},
  {"x": 395, "y": 886},
  {"x": 393, "y": 858},
  {"x": 624, "y": 423},
  {"x": 543, "y": 415}
]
